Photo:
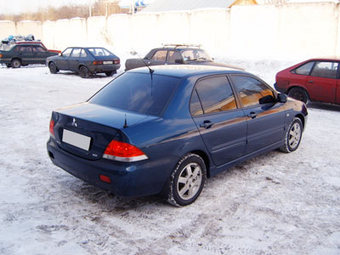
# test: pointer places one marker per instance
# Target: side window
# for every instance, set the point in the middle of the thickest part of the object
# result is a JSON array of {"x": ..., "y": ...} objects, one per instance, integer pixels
[
  {"x": 159, "y": 55},
  {"x": 25, "y": 49},
  {"x": 76, "y": 53},
  {"x": 195, "y": 105},
  {"x": 83, "y": 54},
  {"x": 67, "y": 52},
  {"x": 216, "y": 95},
  {"x": 250, "y": 90},
  {"x": 304, "y": 69},
  {"x": 173, "y": 56},
  {"x": 325, "y": 70}
]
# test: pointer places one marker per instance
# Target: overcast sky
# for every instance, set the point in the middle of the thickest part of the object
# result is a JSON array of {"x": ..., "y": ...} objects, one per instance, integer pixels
[{"x": 19, "y": 6}]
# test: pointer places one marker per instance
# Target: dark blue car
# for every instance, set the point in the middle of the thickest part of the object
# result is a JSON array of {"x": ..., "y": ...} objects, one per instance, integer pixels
[
  {"x": 85, "y": 61},
  {"x": 165, "y": 130}
]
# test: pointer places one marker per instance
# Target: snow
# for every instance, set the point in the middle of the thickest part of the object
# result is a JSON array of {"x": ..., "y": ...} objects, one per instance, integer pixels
[{"x": 273, "y": 204}]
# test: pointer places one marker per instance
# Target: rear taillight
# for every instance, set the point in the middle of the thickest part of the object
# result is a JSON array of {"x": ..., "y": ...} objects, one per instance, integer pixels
[
  {"x": 116, "y": 61},
  {"x": 97, "y": 62},
  {"x": 123, "y": 152},
  {"x": 52, "y": 127},
  {"x": 0, "y": 55}
]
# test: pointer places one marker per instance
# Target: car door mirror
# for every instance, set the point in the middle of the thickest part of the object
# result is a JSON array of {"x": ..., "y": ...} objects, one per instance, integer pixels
[
  {"x": 179, "y": 61},
  {"x": 60, "y": 54},
  {"x": 282, "y": 98},
  {"x": 267, "y": 99}
]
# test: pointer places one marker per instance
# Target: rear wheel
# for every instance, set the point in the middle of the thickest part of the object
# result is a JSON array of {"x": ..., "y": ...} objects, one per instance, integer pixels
[
  {"x": 16, "y": 63},
  {"x": 293, "y": 136},
  {"x": 187, "y": 180},
  {"x": 53, "y": 68},
  {"x": 298, "y": 94},
  {"x": 84, "y": 72}
]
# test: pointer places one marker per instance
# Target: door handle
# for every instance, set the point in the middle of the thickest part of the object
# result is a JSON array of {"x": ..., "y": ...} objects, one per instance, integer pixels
[
  {"x": 310, "y": 81},
  {"x": 206, "y": 124},
  {"x": 252, "y": 115}
]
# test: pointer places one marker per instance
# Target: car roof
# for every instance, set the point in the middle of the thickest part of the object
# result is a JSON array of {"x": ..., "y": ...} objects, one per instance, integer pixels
[
  {"x": 183, "y": 71},
  {"x": 322, "y": 59}
]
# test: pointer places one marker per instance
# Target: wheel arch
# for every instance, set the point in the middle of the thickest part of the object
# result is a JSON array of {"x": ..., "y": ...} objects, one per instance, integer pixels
[
  {"x": 298, "y": 87},
  {"x": 18, "y": 58},
  {"x": 302, "y": 118},
  {"x": 205, "y": 158}
]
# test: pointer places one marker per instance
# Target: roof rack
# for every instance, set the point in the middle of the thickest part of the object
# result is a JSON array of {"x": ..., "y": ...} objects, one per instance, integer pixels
[{"x": 176, "y": 45}]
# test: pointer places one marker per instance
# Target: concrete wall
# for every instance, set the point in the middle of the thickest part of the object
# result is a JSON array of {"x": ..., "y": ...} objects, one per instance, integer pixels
[{"x": 263, "y": 31}]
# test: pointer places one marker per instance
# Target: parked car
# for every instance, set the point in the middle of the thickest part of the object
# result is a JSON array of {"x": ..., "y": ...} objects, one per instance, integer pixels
[
  {"x": 314, "y": 79},
  {"x": 174, "y": 54},
  {"x": 25, "y": 53},
  {"x": 166, "y": 129},
  {"x": 85, "y": 61}
]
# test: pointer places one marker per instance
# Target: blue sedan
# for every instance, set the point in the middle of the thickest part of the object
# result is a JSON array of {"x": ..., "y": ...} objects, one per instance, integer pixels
[
  {"x": 85, "y": 61},
  {"x": 165, "y": 130}
]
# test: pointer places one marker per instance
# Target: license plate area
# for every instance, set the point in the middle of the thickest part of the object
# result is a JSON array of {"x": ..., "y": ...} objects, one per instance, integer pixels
[
  {"x": 76, "y": 139},
  {"x": 107, "y": 62}
]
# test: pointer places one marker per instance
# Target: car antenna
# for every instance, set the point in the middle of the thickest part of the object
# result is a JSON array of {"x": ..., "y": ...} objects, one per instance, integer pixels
[
  {"x": 150, "y": 70},
  {"x": 125, "y": 122}
]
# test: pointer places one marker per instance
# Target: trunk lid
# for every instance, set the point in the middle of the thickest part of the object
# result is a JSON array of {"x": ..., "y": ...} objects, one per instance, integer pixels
[{"x": 86, "y": 129}]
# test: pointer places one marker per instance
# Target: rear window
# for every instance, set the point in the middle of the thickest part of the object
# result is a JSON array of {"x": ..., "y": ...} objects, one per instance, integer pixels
[
  {"x": 137, "y": 92},
  {"x": 99, "y": 52}
]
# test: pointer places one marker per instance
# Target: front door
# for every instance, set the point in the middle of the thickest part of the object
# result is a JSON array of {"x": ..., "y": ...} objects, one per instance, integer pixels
[
  {"x": 322, "y": 82},
  {"x": 221, "y": 123},
  {"x": 265, "y": 122}
]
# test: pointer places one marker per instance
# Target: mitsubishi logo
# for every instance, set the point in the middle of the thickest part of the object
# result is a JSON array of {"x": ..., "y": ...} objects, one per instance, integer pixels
[{"x": 74, "y": 123}]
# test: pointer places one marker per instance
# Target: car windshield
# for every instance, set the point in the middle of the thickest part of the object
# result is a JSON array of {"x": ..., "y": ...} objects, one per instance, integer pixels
[
  {"x": 137, "y": 92},
  {"x": 195, "y": 55},
  {"x": 6, "y": 47},
  {"x": 99, "y": 52}
]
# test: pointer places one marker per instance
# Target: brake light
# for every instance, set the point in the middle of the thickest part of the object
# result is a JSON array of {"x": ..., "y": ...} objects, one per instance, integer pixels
[
  {"x": 123, "y": 152},
  {"x": 0, "y": 55},
  {"x": 52, "y": 127},
  {"x": 116, "y": 61},
  {"x": 97, "y": 62}
]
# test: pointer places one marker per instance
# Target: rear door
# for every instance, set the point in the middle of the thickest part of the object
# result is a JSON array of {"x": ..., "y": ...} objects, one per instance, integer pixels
[
  {"x": 221, "y": 123},
  {"x": 265, "y": 122},
  {"x": 322, "y": 82},
  {"x": 26, "y": 54}
]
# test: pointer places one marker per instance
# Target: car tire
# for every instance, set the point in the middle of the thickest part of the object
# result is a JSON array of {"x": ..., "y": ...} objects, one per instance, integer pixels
[
  {"x": 293, "y": 136},
  {"x": 53, "y": 68},
  {"x": 16, "y": 63},
  {"x": 109, "y": 74},
  {"x": 84, "y": 72},
  {"x": 299, "y": 94},
  {"x": 186, "y": 181}
]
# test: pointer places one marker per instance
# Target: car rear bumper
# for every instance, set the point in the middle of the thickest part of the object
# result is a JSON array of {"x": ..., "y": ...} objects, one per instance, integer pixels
[
  {"x": 127, "y": 179},
  {"x": 103, "y": 68}
]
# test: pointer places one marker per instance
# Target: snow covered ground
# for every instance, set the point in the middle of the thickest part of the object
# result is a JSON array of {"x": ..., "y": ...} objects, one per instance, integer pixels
[{"x": 274, "y": 204}]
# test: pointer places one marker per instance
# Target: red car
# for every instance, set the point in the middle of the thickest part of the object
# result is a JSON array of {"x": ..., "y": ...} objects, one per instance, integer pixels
[{"x": 312, "y": 80}]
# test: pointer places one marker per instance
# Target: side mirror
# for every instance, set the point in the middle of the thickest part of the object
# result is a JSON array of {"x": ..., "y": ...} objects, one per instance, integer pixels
[
  {"x": 60, "y": 54},
  {"x": 282, "y": 98},
  {"x": 267, "y": 99},
  {"x": 179, "y": 61}
]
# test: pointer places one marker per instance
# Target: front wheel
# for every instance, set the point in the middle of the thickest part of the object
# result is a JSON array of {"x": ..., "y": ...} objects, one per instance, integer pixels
[
  {"x": 293, "y": 136},
  {"x": 187, "y": 180},
  {"x": 298, "y": 94},
  {"x": 84, "y": 72},
  {"x": 53, "y": 68}
]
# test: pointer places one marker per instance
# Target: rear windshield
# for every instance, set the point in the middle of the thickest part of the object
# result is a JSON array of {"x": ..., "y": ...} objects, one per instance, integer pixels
[
  {"x": 98, "y": 52},
  {"x": 137, "y": 92}
]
